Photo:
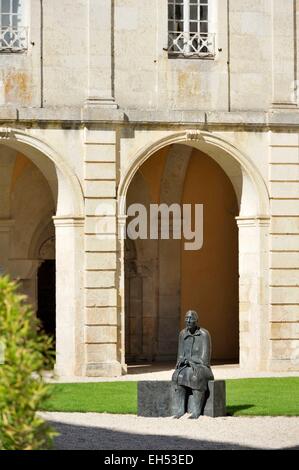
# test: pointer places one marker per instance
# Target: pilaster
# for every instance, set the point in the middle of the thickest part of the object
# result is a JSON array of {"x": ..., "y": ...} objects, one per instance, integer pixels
[
  {"x": 102, "y": 329},
  {"x": 284, "y": 246}
]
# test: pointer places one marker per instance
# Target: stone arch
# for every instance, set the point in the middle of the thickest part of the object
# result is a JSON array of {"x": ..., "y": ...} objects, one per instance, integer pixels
[
  {"x": 253, "y": 223},
  {"x": 70, "y": 201},
  {"x": 37, "y": 237},
  {"x": 220, "y": 150},
  {"x": 69, "y": 220}
]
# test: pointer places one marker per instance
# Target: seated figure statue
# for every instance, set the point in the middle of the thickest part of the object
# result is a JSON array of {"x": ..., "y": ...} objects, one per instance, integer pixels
[{"x": 193, "y": 369}]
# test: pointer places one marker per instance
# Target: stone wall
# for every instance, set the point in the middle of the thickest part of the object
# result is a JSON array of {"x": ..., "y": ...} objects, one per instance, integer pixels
[{"x": 95, "y": 95}]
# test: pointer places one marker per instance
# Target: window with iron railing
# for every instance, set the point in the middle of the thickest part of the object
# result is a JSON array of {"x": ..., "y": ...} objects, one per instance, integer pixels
[
  {"x": 13, "y": 33},
  {"x": 189, "y": 31}
]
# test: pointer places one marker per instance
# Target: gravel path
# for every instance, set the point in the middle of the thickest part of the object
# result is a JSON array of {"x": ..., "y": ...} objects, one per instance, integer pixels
[{"x": 92, "y": 431}]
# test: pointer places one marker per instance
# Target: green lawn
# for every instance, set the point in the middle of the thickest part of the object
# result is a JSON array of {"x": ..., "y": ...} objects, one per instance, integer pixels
[
  {"x": 263, "y": 397},
  {"x": 246, "y": 397},
  {"x": 102, "y": 397}
]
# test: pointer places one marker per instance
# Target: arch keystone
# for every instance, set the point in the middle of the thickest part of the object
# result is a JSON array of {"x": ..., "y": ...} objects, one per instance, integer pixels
[{"x": 194, "y": 135}]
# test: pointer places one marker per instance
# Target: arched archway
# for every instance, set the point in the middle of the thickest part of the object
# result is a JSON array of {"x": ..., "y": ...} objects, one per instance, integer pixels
[
  {"x": 66, "y": 210},
  {"x": 252, "y": 218}
]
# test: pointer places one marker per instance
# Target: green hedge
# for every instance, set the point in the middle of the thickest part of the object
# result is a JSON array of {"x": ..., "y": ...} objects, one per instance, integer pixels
[{"x": 26, "y": 351}]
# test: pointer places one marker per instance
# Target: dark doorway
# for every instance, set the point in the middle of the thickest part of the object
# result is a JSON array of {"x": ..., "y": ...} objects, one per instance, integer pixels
[{"x": 46, "y": 297}]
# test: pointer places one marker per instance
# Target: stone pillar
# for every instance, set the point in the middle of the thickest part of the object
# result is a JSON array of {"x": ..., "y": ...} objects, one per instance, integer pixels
[
  {"x": 169, "y": 298},
  {"x": 6, "y": 226},
  {"x": 122, "y": 222},
  {"x": 253, "y": 292},
  {"x": 102, "y": 337},
  {"x": 100, "y": 50},
  {"x": 24, "y": 271},
  {"x": 284, "y": 245},
  {"x": 30, "y": 285},
  {"x": 69, "y": 293},
  {"x": 283, "y": 53},
  {"x": 169, "y": 271},
  {"x": 149, "y": 310}
]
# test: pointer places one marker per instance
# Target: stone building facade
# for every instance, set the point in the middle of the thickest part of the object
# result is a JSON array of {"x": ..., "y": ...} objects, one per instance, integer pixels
[{"x": 107, "y": 103}]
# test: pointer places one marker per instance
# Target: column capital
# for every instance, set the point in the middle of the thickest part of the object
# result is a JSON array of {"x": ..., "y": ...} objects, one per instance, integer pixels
[
  {"x": 253, "y": 221},
  {"x": 68, "y": 221}
]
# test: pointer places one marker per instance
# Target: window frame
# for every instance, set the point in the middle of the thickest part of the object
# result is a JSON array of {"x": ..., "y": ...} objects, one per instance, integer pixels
[
  {"x": 191, "y": 29},
  {"x": 13, "y": 32}
]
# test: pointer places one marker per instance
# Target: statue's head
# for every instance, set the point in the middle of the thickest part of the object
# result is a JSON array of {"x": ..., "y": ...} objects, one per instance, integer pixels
[{"x": 191, "y": 319}]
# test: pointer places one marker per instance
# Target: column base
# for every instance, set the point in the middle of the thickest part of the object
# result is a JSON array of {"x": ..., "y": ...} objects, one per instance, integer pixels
[
  {"x": 60, "y": 371},
  {"x": 104, "y": 369}
]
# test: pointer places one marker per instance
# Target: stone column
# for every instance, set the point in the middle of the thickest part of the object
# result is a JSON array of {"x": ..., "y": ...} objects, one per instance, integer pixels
[
  {"x": 283, "y": 53},
  {"x": 102, "y": 320},
  {"x": 253, "y": 292},
  {"x": 69, "y": 294},
  {"x": 100, "y": 51},
  {"x": 25, "y": 272},
  {"x": 149, "y": 310},
  {"x": 6, "y": 226},
  {"x": 122, "y": 221},
  {"x": 172, "y": 187}
]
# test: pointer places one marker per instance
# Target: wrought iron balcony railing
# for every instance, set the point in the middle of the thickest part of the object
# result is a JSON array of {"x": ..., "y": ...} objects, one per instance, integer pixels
[
  {"x": 13, "y": 39},
  {"x": 186, "y": 44}
]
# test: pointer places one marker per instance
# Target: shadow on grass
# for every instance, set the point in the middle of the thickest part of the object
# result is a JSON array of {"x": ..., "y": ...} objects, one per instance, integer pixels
[{"x": 235, "y": 409}]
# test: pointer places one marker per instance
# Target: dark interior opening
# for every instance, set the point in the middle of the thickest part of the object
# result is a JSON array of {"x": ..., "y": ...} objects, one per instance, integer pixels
[{"x": 46, "y": 297}]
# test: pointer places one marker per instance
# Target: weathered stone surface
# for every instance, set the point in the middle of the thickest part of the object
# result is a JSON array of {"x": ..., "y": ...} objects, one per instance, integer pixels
[
  {"x": 86, "y": 147},
  {"x": 155, "y": 399}
]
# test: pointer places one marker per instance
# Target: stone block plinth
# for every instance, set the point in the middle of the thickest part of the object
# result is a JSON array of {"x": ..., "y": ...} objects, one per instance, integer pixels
[{"x": 155, "y": 399}]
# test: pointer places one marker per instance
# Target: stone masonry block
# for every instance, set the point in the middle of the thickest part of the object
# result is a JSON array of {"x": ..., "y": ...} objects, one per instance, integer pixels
[
  {"x": 100, "y": 261},
  {"x": 100, "y": 189},
  {"x": 100, "y": 298},
  {"x": 101, "y": 334},
  {"x": 94, "y": 279},
  {"x": 100, "y": 207},
  {"x": 101, "y": 316},
  {"x": 99, "y": 243},
  {"x": 99, "y": 136},
  {"x": 100, "y": 171},
  {"x": 100, "y": 153},
  {"x": 284, "y": 260},
  {"x": 100, "y": 225},
  {"x": 284, "y": 155},
  {"x": 282, "y": 313}
]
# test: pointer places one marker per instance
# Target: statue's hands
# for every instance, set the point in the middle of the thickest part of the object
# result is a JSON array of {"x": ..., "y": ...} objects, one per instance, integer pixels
[{"x": 180, "y": 364}]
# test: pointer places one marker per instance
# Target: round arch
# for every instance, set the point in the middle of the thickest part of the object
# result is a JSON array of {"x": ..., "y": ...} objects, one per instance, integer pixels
[
  {"x": 69, "y": 222},
  {"x": 61, "y": 178},
  {"x": 253, "y": 223},
  {"x": 229, "y": 157}
]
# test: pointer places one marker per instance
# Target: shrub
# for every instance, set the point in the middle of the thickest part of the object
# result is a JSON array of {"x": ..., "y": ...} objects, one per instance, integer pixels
[{"x": 22, "y": 389}]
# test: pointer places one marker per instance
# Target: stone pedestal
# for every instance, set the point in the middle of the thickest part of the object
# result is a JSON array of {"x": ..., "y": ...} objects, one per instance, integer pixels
[{"x": 155, "y": 399}]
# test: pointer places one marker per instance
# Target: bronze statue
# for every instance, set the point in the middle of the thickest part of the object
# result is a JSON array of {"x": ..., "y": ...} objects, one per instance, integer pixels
[{"x": 193, "y": 370}]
